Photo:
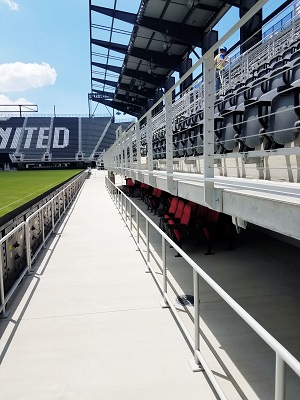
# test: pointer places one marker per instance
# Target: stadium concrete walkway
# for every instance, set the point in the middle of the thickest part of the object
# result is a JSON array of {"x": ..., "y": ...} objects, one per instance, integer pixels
[{"x": 88, "y": 323}]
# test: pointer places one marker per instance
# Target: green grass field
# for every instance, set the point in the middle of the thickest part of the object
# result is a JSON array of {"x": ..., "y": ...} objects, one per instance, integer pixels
[{"x": 19, "y": 187}]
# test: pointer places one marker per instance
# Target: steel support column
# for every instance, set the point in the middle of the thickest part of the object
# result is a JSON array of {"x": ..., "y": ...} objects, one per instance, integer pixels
[
  {"x": 208, "y": 157},
  {"x": 169, "y": 144},
  {"x": 150, "y": 149}
]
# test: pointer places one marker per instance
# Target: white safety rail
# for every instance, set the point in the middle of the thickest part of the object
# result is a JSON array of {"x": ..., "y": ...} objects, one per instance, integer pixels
[
  {"x": 213, "y": 135},
  {"x": 133, "y": 216},
  {"x": 60, "y": 203}
]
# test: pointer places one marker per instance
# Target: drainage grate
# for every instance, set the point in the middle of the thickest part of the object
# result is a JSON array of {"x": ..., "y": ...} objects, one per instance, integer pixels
[{"x": 185, "y": 300}]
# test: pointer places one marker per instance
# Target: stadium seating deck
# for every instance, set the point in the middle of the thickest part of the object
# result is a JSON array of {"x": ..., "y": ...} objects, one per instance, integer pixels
[{"x": 57, "y": 139}]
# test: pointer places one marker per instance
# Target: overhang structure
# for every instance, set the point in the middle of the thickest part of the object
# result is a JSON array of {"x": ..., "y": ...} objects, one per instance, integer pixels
[{"x": 131, "y": 73}]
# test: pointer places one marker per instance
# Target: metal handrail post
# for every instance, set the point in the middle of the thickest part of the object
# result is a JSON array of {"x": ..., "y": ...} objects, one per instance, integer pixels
[
  {"x": 43, "y": 226},
  {"x": 28, "y": 248},
  {"x": 64, "y": 197},
  {"x": 196, "y": 315},
  {"x": 126, "y": 208},
  {"x": 164, "y": 266},
  {"x": 2, "y": 314},
  {"x": 147, "y": 244},
  {"x": 279, "y": 378},
  {"x": 208, "y": 145},
  {"x": 52, "y": 215},
  {"x": 59, "y": 214},
  {"x": 137, "y": 226},
  {"x": 130, "y": 210}
]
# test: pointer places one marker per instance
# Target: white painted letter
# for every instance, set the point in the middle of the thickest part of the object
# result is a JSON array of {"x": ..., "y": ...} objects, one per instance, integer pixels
[
  {"x": 65, "y": 143},
  {"x": 29, "y": 137},
  {"x": 43, "y": 135},
  {"x": 16, "y": 138},
  {"x": 4, "y": 136}
]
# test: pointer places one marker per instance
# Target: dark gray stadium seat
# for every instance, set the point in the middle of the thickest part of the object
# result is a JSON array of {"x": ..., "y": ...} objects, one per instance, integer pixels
[
  {"x": 253, "y": 120},
  {"x": 284, "y": 124},
  {"x": 198, "y": 141}
]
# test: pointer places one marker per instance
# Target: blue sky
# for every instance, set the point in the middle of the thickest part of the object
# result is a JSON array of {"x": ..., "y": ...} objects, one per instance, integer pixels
[{"x": 45, "y": 52}]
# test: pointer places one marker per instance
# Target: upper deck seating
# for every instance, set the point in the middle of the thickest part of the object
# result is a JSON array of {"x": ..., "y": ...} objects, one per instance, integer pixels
[{"x": 284, "y": 124}]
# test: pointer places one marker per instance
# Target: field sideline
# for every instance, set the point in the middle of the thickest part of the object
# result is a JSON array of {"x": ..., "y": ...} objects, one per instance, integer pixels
[{"x": 19, "y": 187}]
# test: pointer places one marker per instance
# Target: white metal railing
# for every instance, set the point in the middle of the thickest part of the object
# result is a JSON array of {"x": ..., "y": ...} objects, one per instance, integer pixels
[
  {"x": 125, "y": 207},
  {"x": 67, "y": 195},
  {"x": 202, "y": 140}
]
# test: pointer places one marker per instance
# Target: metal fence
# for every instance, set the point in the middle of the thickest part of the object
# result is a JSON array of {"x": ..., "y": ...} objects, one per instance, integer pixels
[
  {"x": 21, "y": 245},
  {"x": 133, "y": 216}
]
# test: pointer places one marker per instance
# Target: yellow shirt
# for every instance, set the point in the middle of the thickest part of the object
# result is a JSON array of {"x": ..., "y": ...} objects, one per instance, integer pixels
[{"x": 219, "y": 62}]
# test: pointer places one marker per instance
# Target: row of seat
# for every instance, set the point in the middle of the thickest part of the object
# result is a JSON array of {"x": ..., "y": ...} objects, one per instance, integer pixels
[
  {"x": 260, "y": 112},
  {"x": 264, "y": 110},
  {"x": 181, "y": 219}
]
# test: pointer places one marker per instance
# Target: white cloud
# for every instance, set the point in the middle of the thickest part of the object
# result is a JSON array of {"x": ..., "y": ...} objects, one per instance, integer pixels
[
  {"x": 19, "y": 76},
  {"x": 11, "y": 4},
  {"x": 13, "y": 105}
]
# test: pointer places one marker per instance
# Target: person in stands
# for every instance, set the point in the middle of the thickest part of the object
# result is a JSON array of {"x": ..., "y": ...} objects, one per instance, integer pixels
[{"x": 219, "y": 64}]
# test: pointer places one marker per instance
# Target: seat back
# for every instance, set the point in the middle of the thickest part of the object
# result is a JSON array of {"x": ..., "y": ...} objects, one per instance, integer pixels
[
  {"x": 173, "y": 205},
  {"x": 202, "y": 212},
  {"x": 186, "y": 214},
  {"x": 212, "y": 216},
  {"x": 129, "y": 182},
  {"x": 179, "y": 209}
]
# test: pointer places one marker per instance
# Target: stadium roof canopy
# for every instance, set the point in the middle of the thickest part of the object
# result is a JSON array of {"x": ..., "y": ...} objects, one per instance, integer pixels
[{"x": 132, "y": 64}]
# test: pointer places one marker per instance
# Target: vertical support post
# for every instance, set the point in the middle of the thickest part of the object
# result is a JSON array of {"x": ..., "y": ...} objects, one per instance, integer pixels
[
  {"x": 150, "y": 149},
  {"x": 43, "y": 226},
  {"x": 279, "y": 378},
  {"x": 147, "y": 245},
  {"x": 52, "y": 214},
  {"x": 126, "y": 208},
  {"x": 126, "y": 161},
  {"x": 137, "y": 226},
  {"x": 64, "y": 196},
  {"x": 138, "y": 150},
  {"x": 169, "y": 145},
  {"x": 124, "y": 155},
  {"x": 130, "y": 153},
  {"x": 3, "y": 314},
  {"x": 194, "y": 362},
  {"x": 196, "y": 314},
  {"x": 59, "y": 203},
  {"x": 130, "y": 210},
  {"x": 28, "y": 248},
  {"x": 208, "y": 156},
  {"x": 164, "y": 302}
]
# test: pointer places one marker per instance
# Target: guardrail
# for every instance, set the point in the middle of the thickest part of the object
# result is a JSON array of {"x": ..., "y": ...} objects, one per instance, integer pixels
[
  {"x": 211, "y": 136},
  {"x": 48, "y": 216},
  {"x": 125, "y": 207}
]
